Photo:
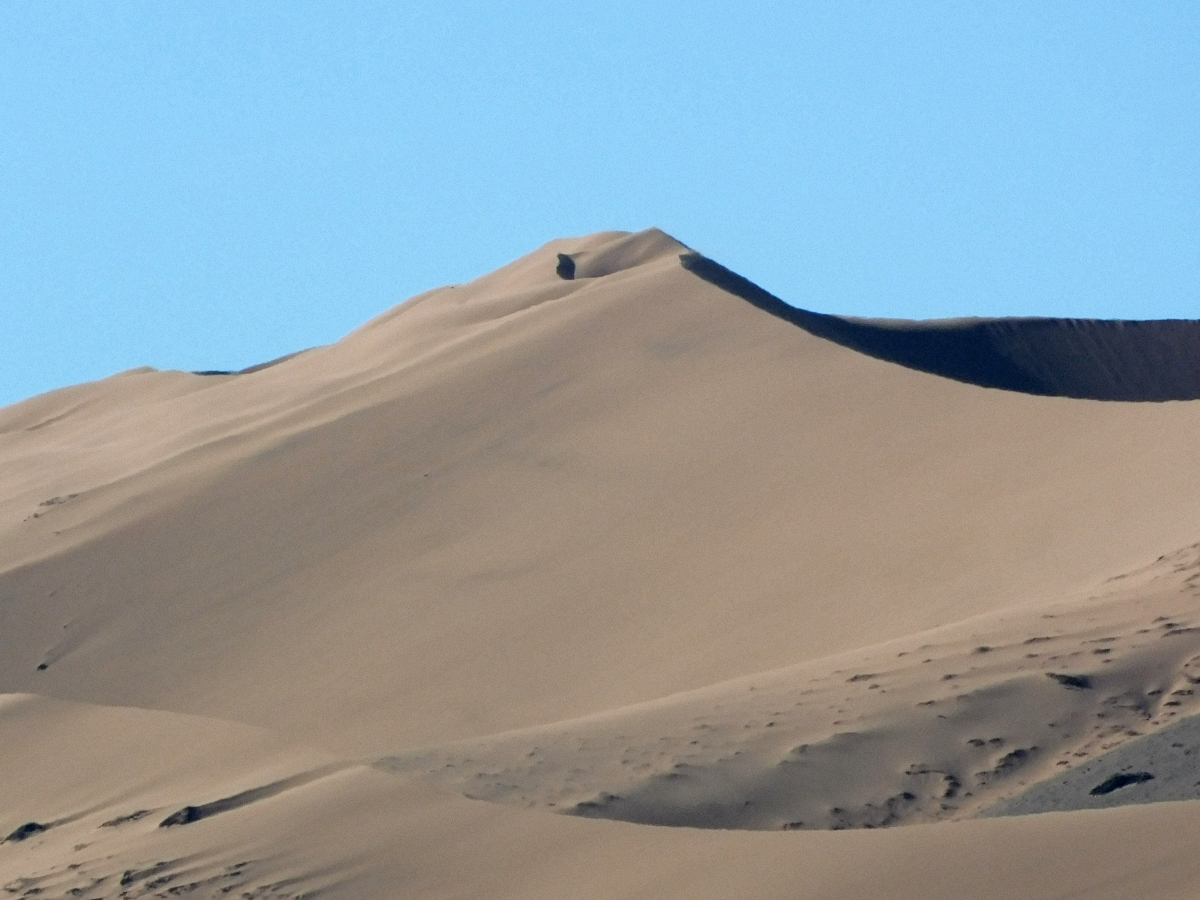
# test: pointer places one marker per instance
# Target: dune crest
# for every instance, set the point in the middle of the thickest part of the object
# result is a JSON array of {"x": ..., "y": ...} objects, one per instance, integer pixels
[{"x": 1089, "y": 359}]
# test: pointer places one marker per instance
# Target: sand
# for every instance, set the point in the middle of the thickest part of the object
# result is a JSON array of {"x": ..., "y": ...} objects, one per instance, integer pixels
[
  {"x": 607, "y": 540},
  {"x": 1155, "y": 768}
]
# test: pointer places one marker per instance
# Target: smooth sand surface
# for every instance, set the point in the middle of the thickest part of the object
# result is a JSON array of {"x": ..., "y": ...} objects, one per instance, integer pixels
[{"x": 622, "y": 545}]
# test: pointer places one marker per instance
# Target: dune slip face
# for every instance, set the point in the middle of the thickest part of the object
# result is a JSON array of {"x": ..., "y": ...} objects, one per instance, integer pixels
[
  {"x": 605, "y": 539},
  {"x": 1090, "y": 359}
]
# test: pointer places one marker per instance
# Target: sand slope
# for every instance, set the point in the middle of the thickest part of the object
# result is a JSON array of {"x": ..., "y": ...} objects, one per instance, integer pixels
[
  {"x": 936, "y": 725},
  {"x": 1090, "y": 359},
  {"x": 360, "y": 833},
  {"x": 579, "y": 518}
]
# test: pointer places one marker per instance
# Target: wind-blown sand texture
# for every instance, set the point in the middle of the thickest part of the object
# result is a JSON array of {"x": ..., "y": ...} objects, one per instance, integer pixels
[{"x": 610, "y": 532}]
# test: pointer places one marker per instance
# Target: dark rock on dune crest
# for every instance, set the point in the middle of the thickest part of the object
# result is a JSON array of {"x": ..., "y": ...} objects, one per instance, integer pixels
[
  {"x": 184, "y": 816},
  {"x": 1075, "y": 682},
  {"x": 126, "y": 819},
  {"x": 28, "y": 830},
  {"x": 1120, "y": 780},
  {"x": 194, "y": 813}
]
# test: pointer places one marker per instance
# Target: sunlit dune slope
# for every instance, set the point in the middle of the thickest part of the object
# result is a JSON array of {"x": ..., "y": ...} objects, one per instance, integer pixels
[{"x": 527, "y": 498}]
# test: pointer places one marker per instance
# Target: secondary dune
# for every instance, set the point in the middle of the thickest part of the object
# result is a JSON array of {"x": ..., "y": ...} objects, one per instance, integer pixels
[
  {"x": 592, "y": 533},
  {"x": 361, "y": 833},
  {"x": 937, "y": 725}
]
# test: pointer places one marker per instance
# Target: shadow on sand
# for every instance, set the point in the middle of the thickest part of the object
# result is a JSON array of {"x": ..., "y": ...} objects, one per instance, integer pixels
[{"x": 1090, "y": 359}]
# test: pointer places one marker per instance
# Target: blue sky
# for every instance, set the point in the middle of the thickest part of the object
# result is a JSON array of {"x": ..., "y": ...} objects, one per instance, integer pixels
[{"x": 209, "y": 185}]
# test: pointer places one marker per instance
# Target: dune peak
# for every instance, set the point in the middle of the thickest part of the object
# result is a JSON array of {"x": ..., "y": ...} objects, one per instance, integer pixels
[{"x": 625, "y": 250}]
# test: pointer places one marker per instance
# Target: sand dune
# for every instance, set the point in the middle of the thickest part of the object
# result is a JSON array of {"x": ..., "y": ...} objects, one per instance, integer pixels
[
  {"x": 1089, "y": 359},
  {"x": 938, "y": 725},
  {"x": 361, "y": 833},
  {"x": 594, "y": 534}
]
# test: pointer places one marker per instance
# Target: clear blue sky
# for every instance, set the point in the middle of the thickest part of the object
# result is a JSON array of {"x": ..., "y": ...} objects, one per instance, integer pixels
[{"x": 209, "y": 184}]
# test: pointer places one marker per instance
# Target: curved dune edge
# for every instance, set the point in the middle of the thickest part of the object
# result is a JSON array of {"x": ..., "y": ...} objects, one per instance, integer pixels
[
  {"x": 1087, "y": 359},
  {"x": 257, "y": 367},
  {"x": 359, "y": 833},
  {"x": 935, "y": 726}
]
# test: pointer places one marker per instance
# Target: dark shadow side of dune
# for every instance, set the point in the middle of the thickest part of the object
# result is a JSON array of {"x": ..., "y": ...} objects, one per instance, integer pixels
[
  {"x": 1089, "y": 359},
  {"x": 257, "y": 367}
]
